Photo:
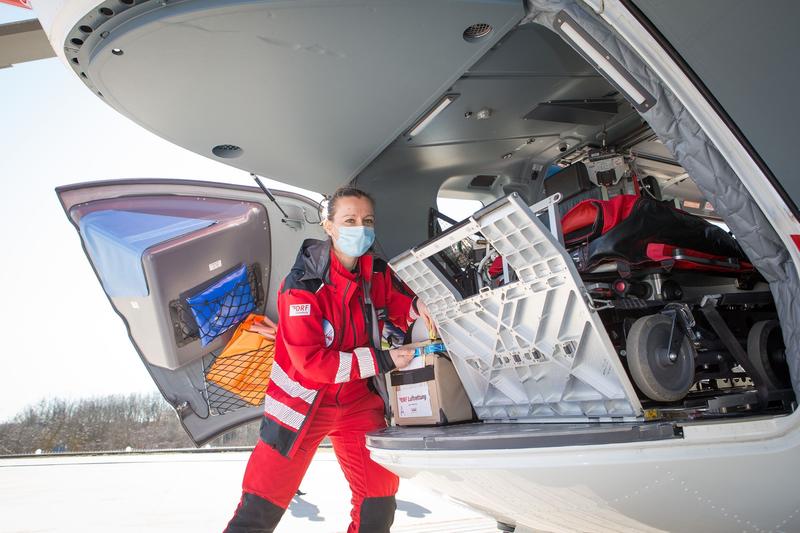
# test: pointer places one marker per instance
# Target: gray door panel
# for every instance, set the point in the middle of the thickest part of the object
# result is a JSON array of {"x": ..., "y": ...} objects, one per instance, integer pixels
[
  {"x": 240, "y": 230},
  {"x": 745, "y": 53}
]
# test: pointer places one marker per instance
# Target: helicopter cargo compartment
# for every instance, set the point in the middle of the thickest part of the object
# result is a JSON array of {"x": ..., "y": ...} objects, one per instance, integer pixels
[{"x": 547, "y": 327}]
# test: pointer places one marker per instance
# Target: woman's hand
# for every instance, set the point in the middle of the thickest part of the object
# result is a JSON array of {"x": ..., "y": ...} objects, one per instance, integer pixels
[
  {"x": 401, "y": 356},
  {"x": 266, "y": 328},
  {"x": 425, "y": 315}
]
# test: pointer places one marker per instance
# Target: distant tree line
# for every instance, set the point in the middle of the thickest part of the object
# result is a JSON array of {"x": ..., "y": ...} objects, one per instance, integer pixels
[{"x": 116, "y": 422}]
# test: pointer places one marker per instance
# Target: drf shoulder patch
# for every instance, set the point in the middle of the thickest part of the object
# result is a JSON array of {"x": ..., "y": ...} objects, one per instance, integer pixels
[{"x": 299, "y": 309}]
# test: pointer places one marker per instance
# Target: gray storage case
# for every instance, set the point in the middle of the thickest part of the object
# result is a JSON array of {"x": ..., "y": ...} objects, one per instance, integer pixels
[{"x": 240, "y": 235}]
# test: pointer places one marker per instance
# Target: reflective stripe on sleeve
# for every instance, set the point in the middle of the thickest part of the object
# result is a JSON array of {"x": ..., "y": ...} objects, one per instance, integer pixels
[
  {"x": 345, "y": 366},
  {"x": 283, "y": 413},
  {"x": 366, "y": 363},
  {"x": 290, "y": 386}
]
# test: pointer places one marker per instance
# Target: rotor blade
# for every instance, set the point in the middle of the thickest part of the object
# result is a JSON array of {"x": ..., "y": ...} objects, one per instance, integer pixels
[{"x": 23, "y": 41}]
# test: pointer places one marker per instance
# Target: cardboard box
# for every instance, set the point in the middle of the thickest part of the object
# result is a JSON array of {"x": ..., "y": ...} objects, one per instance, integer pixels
[{"x": 428, "y": 393}]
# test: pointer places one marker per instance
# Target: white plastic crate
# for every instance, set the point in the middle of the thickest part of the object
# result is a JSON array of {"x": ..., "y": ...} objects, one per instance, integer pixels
[{"x": 533, "y": 349}]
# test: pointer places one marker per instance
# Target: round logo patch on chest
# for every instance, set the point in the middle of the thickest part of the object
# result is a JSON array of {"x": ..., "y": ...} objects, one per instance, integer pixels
[{"x": 327, "y": 329}]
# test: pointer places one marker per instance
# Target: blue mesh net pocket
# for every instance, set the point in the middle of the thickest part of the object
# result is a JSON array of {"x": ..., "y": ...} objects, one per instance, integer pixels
[{"x": 222, "y": 305}]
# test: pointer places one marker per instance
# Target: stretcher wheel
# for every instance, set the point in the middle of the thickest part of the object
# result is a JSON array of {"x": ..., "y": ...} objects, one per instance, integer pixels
[
  {"x": 766, "y": 351},
  {"x": 658, "y": 376}
]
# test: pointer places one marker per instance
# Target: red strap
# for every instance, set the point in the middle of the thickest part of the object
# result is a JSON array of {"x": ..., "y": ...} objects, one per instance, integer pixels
[
  {"x": 582, "y": 215},
  {"x": 666, "y": 252},
  {"x": 617, "y": 209},
  {"x": 497, "y": 267}
]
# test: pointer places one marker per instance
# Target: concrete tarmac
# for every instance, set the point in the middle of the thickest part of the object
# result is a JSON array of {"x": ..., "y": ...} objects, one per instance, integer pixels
[{"x": 192, "y": 492}]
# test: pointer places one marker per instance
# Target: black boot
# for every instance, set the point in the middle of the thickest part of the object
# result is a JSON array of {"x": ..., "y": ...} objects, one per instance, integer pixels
[
  {"x": 255, "y": 515},
  {"x": 377, "y": 514}
]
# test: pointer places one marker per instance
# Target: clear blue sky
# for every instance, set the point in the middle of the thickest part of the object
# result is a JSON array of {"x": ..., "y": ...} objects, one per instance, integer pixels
[
  {"x": 11, "y": 14},
  {"x": 60, "y": 335}
]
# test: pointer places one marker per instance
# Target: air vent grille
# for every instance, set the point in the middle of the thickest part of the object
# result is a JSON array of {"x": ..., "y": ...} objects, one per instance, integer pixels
[
  {"x": 226, "y": 151},
  {"x": 482, "y": 181},
  {"x": 477, "y": 31}
]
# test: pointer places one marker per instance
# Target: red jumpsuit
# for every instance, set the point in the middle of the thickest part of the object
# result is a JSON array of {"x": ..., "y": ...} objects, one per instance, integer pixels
[{"x": 320, "y": 387}]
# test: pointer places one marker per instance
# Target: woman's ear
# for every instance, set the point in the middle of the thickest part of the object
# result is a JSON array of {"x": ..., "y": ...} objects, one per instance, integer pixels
[{"x": 327, "y": 225}]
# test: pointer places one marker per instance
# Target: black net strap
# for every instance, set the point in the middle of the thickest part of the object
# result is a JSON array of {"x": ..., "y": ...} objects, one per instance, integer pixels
[{"x": 235, "y": 381}]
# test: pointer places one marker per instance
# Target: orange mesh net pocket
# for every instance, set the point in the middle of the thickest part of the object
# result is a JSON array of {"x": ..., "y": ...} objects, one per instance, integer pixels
[{"x": 240, "y": 372}]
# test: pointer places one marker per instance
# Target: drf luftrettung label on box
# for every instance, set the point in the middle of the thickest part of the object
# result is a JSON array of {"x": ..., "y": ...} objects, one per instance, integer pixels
[{"x": 414, "y": 400}]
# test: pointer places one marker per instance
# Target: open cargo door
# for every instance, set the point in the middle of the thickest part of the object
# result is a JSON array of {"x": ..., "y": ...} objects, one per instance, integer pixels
[{"x": 183, "y": 263}]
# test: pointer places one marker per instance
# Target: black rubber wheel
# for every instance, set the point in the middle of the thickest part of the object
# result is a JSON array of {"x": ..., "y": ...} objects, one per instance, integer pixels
[
  {"x": 766, "y": 351},
  {"x": 658, "y": 377}
]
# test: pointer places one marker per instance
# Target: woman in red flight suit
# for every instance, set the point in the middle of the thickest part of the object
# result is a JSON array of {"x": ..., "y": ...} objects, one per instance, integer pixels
[{"x": 324, "y": 359}]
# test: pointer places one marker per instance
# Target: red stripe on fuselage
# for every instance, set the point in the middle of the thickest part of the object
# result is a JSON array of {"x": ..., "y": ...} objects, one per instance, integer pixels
[{"x": 17, "y": 3}]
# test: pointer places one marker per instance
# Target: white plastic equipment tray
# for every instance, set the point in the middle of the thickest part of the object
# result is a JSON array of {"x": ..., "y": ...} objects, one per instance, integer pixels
[{"x": 532, "y": 349}]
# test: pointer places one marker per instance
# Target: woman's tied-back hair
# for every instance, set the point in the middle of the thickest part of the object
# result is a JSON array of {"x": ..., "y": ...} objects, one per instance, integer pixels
[{"x": 345, "y": 192}]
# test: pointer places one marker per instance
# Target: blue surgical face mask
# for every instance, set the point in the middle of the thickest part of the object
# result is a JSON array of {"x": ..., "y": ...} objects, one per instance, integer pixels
[{"x": 355, "y": 240}]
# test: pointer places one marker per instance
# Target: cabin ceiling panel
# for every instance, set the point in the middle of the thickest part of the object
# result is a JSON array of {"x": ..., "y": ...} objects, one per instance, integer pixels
[{"x": 307, "y": 92}]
